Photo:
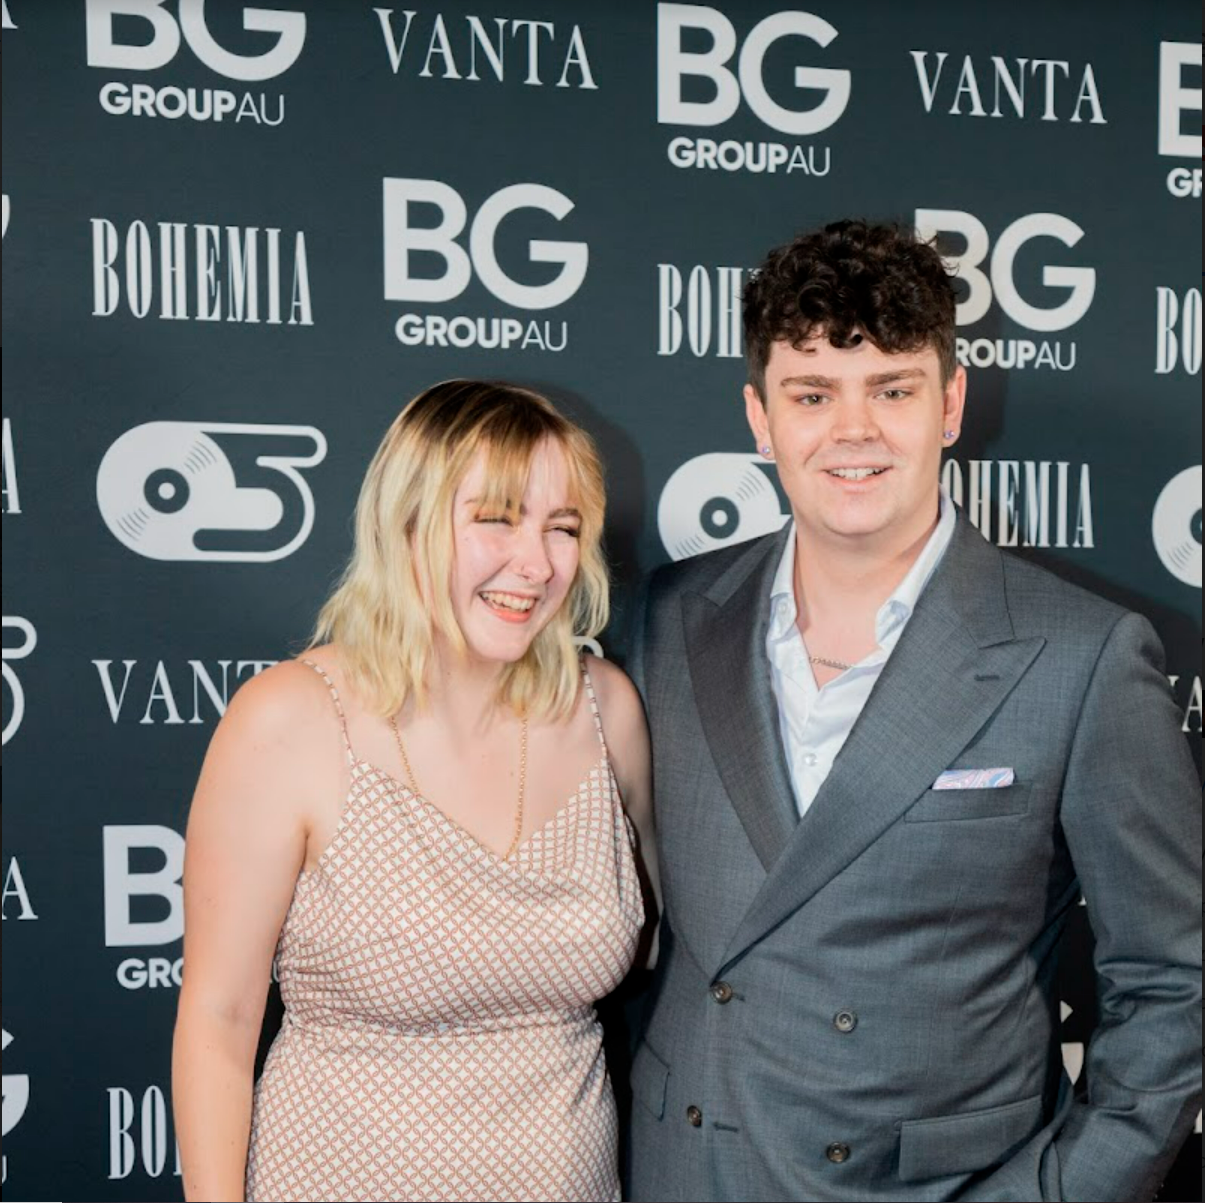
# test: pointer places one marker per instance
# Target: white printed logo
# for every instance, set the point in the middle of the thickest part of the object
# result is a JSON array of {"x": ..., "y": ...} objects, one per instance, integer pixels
[
  {"x": 10, "y": 494},
  {"x": 1175, "y": 101},
  {"x": 1073, "y": 1050},
  {"x": 29, "y": 640},
  {"x": 1177, "y": 331},
  {"x": 1025, "y": 503},
  {"x": 1008, "y": 91},
  {"x": 147, "y": 1118},
  {"x": 227, "y": 491},
  {"x": 142, "y": 55},
  {"x": 16, "y": 889},
  {"x": 16, "y": 1094},
  {"x": 716, "y": 500},
  {"x": 123, "y": 884},
  {"x": 228, "y": 270},
  {"x": 167, "y": 703},
  {"x": 6, "y": 209},
  {"x": 15, "y": 1101},
  {"x": 674, "y": 63},
  {"x": 697, "y": 299},
  {"x": 1176, "y": 526},
  {"x": 1080, "y": 281},
  {"x": 6, "y": 21},
  {"x": 490, "y": 51},
  {"x": 403, "y": 240},
  {"x": 999, "y": 281}
]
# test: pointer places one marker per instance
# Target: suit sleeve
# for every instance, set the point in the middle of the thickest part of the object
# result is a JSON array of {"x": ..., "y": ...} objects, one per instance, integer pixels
[
  {"x": 1131, "y": 816},
  {"x": 634, "y": 664}
]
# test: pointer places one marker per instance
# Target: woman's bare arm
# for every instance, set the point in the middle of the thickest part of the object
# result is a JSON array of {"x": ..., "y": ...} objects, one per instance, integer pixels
[
  {"x": 245, "y": 846},
  {"x": 627, "y": 735}
]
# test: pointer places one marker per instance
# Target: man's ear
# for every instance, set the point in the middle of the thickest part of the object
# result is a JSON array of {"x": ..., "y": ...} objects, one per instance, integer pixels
[
  {"x": 756, "y": 416},
  {"x": 954, "y": 401}
]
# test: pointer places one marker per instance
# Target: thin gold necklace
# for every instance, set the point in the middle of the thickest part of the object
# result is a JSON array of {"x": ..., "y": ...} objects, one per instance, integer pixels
[{"x": 412, "y": 780}]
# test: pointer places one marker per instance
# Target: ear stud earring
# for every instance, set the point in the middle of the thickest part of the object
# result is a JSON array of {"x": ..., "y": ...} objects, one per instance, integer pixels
[{"x": 768, "y": 452}]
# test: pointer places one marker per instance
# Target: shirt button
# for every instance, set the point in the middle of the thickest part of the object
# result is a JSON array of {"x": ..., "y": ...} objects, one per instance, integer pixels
[
  {"x": 721, "y": 992},
  {"x": 694, "y": 1116},
  {"x": 810, "y": 758},
  {"x": 845, "y": 1021},
  {"x": 837, "y": 1152}
]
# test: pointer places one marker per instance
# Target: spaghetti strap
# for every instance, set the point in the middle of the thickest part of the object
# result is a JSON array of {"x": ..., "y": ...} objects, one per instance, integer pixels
[
  {"x": 351, "y": 756},
  {"x": 602, "y": 739}
]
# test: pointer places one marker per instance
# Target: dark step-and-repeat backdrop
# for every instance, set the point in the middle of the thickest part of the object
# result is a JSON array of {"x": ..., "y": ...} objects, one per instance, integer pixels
[{"x": 237, "y": 239}]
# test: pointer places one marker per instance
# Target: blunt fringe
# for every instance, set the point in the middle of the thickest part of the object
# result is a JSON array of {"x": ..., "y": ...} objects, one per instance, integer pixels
[{"x": 392, "y": 600}]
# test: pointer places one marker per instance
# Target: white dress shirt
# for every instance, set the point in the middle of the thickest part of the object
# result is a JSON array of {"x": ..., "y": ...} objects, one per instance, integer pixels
[{"x": 816, "y": 721}]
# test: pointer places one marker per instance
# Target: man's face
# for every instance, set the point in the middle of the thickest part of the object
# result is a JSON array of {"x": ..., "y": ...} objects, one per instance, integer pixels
[{"x": 857, "y": 435}]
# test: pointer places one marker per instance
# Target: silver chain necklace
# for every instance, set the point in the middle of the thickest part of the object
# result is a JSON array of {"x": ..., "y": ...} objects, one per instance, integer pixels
[{"x": 840, "y": 665}]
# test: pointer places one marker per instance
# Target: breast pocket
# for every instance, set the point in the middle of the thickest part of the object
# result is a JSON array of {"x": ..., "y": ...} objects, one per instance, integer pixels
[{"x": 960, "y": 805}]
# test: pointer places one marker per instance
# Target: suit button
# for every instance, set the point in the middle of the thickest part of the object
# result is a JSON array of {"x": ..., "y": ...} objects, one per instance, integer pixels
[
  {"x": 845, "y": 1021},
  {"x": 837, "y": 1152},
  {"x": 721, "y": 992},
  {"x": 694, "y": 1116}
]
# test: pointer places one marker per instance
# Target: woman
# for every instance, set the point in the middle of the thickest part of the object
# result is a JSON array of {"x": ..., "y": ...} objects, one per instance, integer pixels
[{"x": 421, "y": 817}]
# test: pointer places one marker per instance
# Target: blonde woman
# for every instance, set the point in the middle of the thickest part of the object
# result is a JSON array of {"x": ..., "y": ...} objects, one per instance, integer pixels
[{"x": 421, "y": 817}]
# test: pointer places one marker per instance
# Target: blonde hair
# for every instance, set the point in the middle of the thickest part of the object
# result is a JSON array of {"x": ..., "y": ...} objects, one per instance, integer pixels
[{"x": 389, "y": 606}]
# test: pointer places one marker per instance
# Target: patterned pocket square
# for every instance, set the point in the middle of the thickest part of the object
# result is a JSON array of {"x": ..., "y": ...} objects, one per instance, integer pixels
[{"x": 975, "y": 779}]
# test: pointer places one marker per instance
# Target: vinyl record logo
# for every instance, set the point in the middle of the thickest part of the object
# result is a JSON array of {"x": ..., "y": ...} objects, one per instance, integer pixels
[
  {"x": 210, "y": 490},
  {"x": 715, "y": 500},
  {"x": 1176, "y": 526}
]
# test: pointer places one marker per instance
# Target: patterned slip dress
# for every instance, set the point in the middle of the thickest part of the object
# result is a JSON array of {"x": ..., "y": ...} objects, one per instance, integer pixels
[{"x": 439, "y": 1039}]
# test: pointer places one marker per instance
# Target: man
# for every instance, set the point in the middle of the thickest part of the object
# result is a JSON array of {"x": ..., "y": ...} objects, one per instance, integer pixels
[{"x": 888, "y": 761}]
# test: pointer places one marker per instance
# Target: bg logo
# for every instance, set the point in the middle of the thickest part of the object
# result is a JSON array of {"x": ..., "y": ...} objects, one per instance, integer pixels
[
  {"x": 1176, "y": 526},
  {"x": 716, "y": 500},
  {"x": 1081, "y": 281},
  {"x": 674, "y": 64},
  {"x": 1175, "y": 100},
  {"x": 16, "y": 1094},
  {"x": 123, "y": 884},
  {"x": 29, "y": 640},
  {"x": 143, "y": 55},
  {"x": 225, "y": 491},
  {"x": 403, "y": 240},
  {"x": 1000, "y": 281}
]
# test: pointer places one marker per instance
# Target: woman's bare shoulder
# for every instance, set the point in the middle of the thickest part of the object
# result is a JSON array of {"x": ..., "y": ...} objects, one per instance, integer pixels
[
  {"x": 618, "y": 700},
  {"x": 281, "y": 697}
]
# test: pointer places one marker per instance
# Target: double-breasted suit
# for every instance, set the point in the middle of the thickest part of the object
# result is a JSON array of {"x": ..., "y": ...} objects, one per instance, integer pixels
[{"x": 860, "y": 1005}]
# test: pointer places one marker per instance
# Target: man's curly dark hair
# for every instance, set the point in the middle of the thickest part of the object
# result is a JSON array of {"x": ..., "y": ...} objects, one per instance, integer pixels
[{"x": 850, "y": 280}]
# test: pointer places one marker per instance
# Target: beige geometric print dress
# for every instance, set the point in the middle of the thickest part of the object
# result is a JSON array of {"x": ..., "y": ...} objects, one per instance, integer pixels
[{"x": 439, "y": 1039}]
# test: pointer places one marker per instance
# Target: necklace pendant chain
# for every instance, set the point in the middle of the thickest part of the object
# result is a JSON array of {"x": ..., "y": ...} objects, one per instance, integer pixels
[
  {"x": 837, "y": 664},
  {"x": 412, "y": 780}
]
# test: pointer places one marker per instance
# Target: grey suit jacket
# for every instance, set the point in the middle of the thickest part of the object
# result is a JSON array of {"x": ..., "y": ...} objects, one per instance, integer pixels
[{"x": 861, "y": 1005}]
